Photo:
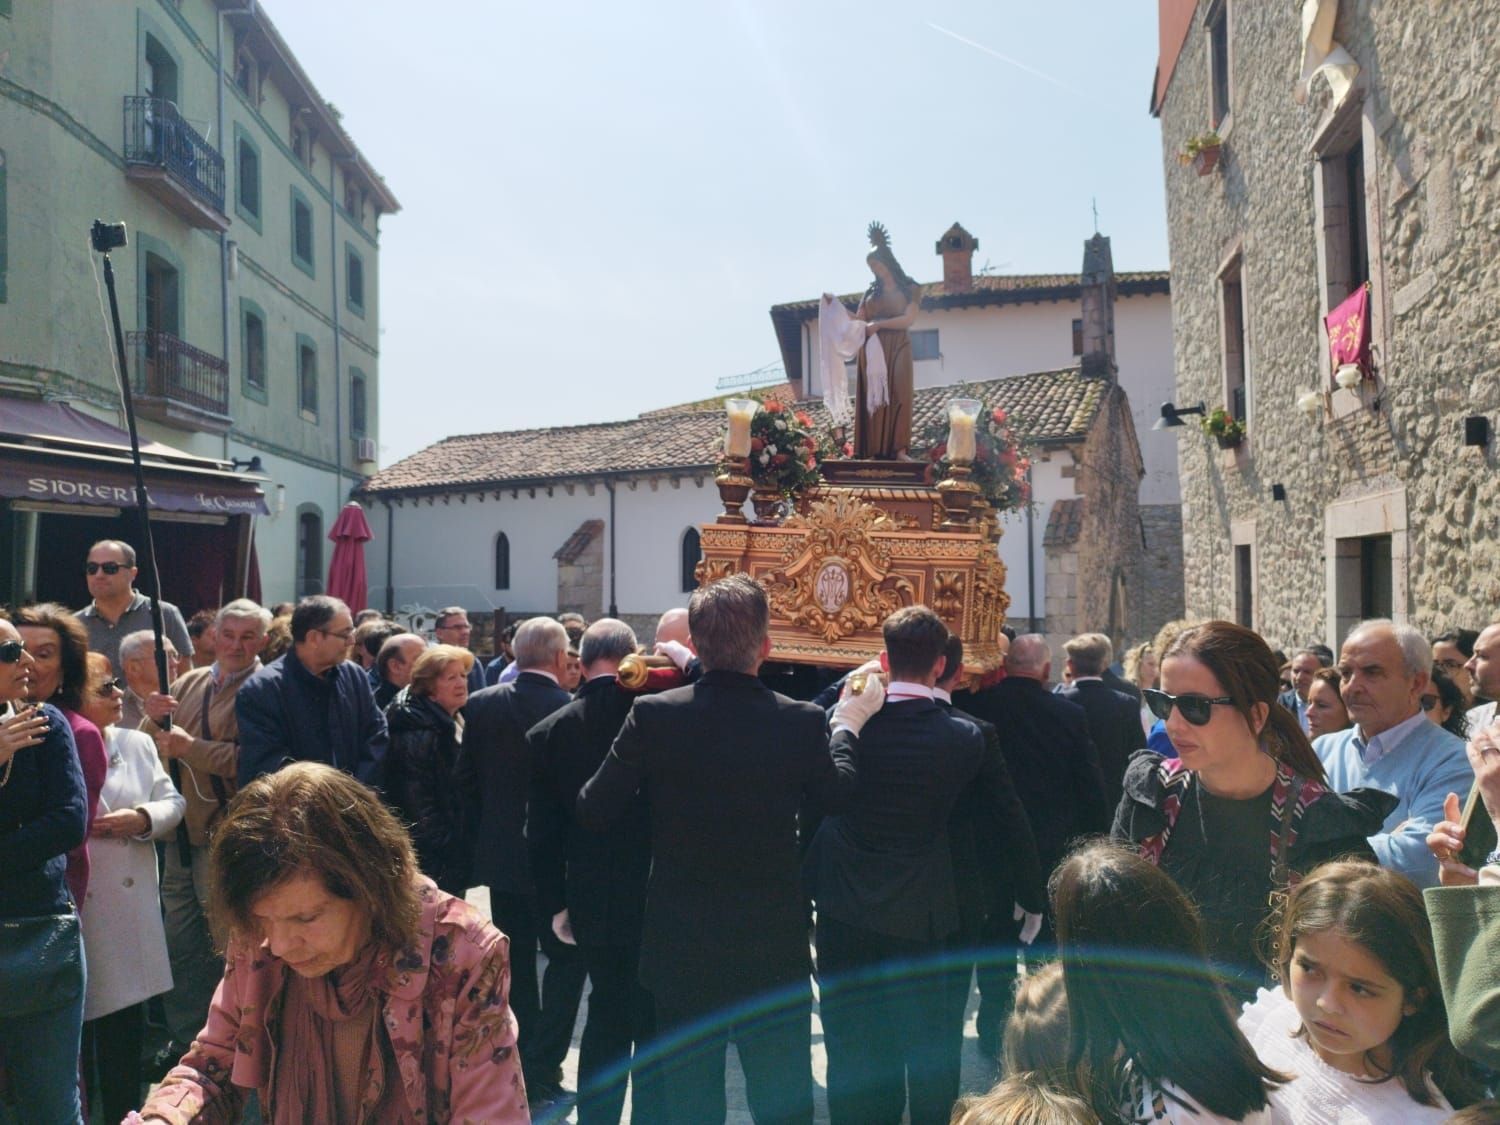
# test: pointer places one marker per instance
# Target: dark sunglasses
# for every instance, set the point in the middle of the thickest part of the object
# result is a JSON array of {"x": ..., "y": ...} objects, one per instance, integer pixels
[
  {"x": 109, "y": 687},
  {"x": 108, "y": 568},
  {"x": 10, "y": 652},
  {"x": 1429, "y": 702},
  {"x": 1196, "y": 709}
]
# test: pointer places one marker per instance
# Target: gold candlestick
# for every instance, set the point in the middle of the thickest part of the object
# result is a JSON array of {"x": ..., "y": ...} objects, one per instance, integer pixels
[{"x": 734, "y": 485}]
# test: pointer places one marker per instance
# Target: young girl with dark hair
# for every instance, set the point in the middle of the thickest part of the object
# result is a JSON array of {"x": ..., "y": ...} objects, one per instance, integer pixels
[
  {"x": 1242, "y": 808},
  {"x": 1152, "y": 1035},
  {"x": 1359, "y": 1018}
]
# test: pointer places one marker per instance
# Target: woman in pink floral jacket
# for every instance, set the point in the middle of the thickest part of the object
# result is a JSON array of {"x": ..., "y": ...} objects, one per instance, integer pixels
[{"x": 355, "y": 990}]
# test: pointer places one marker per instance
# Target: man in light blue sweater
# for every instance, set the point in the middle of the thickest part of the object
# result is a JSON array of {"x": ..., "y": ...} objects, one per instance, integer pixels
[{"x": 1384, "y": 668}]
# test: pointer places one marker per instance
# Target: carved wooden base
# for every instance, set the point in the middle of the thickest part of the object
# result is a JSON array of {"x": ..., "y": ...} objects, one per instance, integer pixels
[
  {"x": 856, "y": 473},
  {"x": 851, "y": 557}
]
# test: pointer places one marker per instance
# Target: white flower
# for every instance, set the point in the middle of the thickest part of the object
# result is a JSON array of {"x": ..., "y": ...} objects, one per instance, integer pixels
[
  {"x": 771, "y": 450},
  {"x": 765, "y": 457},
  {"x": 780, "y": 425}
]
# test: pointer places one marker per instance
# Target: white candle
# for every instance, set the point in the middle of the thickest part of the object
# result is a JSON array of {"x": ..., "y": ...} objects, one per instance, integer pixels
[
  {"x": 960, "y": 436},
  {"x": 737, "y": 443}
]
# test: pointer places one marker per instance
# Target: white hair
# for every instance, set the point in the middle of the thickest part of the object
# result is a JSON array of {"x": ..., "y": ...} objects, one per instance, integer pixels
[
  {"x": 243, "y": 609},
  {"x": 142, "y": 643},
  {"x": 537, "y": 642},
  {"x": 1028, "y": 655},
  {"x": 1416, "y": 653}
]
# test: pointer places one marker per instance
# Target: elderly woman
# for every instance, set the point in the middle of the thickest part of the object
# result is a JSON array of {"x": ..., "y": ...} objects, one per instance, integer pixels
[
  {"x": 355, "y": 990},
  {"x": 425, "y": 731},
  {"x": 42, "y": 817},
  {"x": 1243, "y": 807},
  {"x": 122, "y": 924},
  {"x": 59, "y": 648}
]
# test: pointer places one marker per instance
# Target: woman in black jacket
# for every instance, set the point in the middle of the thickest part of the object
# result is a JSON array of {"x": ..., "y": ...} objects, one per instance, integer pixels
[
  {"x": 42, "y": 818},
  {"x": 425, "y": 731}
]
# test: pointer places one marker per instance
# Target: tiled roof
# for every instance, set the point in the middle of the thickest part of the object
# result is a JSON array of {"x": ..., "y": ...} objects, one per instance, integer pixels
[
  {"x": 578, "y": 542},
  {"x": 1002, "y": 289},
  {"x": 1051, "y": 407},
  {"x": 1065, "y": 523}
]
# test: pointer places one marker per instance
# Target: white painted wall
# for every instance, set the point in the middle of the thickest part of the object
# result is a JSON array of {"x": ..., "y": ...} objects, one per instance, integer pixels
[
  {"x": 997, "y": 341},
  {"x": 443, "y": 552},
  {"x": 276, "y": 534}
]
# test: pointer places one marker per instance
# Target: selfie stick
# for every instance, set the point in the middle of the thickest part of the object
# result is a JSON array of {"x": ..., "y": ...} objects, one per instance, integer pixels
[{"x": 105, "y": 237}]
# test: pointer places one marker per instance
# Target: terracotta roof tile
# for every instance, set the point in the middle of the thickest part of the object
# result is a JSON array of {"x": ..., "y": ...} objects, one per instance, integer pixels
[
  {"x": 996, "y": 289},
  {"x": 1049, "y": 406}
]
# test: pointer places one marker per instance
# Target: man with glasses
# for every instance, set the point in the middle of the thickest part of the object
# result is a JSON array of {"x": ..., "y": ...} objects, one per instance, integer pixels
[
  {"x": 201, "y": 752},
  {"x": 119, "y": 610},
  {"x": 453, "y": 628},
  {"x": 312, "y": 704}
]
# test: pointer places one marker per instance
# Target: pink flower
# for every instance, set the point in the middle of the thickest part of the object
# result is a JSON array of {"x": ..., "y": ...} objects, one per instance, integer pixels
[{"x": 999, "y": 416}]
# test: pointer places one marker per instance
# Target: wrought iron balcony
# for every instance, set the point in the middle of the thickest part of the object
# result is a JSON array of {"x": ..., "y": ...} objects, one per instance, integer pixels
[
  {"x": 176, "y": 383},
  {"x": 171, "y": 161}
]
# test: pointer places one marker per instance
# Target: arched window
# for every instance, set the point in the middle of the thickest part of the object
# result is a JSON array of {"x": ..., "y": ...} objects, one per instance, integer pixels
[
  {"x": 309, "y": 550},
  {"x": 692, "y": 551},
  {"x": 502, "y": 562}
]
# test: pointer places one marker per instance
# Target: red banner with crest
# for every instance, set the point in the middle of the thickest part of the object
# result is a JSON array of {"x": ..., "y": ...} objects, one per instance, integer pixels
[{"x": 1349, "y": 332}]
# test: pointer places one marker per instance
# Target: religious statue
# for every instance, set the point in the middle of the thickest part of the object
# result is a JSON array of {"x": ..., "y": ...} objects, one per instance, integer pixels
[{"x": 882, "y": 350}]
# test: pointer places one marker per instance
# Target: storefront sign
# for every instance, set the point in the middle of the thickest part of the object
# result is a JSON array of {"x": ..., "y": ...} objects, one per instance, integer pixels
[{"x": 87, "y": 484}]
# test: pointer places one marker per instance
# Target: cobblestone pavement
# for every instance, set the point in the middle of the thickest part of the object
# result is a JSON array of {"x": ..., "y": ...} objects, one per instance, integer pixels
[{"x": 978, "y": 1074}]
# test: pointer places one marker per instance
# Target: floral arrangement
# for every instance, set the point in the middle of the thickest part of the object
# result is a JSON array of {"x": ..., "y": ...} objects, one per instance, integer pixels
[
  {"x": 1001, "y": 459},
  {"x": 1221, "y": 424},
  {"x": 1197, "y": 144},
  {"x": 784, "y": 452}
]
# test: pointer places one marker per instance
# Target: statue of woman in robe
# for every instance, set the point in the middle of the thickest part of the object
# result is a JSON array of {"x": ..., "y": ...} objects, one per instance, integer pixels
[{"x": 889, "y": 306}]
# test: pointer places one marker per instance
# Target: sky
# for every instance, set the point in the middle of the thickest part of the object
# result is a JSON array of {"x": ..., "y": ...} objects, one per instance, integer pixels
[{"x": 601, "y": 201}]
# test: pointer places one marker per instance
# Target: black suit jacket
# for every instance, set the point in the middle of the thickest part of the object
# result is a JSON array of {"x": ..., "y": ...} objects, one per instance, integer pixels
[
  {"x": 995, "y": 861},
  {"x": 885, "y": 864},
  {"x": 1115, "y": 727},
  {"x": 726, "y": 764},
  {"x": 599, "y": 877},
  {"x": 1121, "y": 684},
  {"x": 1052, "y": 761},
  {"x": 494, "y": 776}
]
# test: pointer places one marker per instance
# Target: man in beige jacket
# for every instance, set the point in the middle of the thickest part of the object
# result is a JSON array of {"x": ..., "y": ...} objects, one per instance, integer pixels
[{"x": 201, "y": 751}]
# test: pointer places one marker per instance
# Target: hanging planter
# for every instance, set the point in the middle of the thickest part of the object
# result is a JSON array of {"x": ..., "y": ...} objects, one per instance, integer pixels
[
  {"x": 1202, "y": 152},
  {"x": 1223, "y": 427}
]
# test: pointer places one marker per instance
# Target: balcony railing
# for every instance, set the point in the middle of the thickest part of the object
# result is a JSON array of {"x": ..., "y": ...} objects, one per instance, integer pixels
[
  {"x": 178, "y": 383},
  {"x": 158, "y": 139}
]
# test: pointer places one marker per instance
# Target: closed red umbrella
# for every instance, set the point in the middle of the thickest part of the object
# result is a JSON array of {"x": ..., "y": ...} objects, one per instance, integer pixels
[{"x": 346, "y": 570}]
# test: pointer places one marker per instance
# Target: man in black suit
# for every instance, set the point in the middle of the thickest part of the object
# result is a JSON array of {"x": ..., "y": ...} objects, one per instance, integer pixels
[
  {"x": 1306, "y": 663},
  {"x": 493, "y": 774},
  {"x": 591, "y": 886},
  {"x": 1056, "y": 771},
  {"x": 996, "y": 872},
  {"x": 881, "y": 874},
  {"x": 1114, "y": 717},
  {"x": 726, "y": 765}
]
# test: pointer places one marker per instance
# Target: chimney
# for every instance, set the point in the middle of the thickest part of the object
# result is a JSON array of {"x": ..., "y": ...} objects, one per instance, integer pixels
[
  {"x": 957, "y": 247},
  {"x": 1097, "y": 292}
]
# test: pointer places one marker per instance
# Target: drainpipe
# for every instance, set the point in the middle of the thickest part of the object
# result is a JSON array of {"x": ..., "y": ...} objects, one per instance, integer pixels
[
  {"x": 614, "y": 610},
  {"x": 1030, "y": 556},
  {"x": 338, "y": 362},
  {"x": 390, "y": 557},
  {"x": 223, "y": 235}
]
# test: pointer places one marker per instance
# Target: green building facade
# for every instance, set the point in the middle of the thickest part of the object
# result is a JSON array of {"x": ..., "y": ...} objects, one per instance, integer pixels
[{"x": 249, "y": 291}]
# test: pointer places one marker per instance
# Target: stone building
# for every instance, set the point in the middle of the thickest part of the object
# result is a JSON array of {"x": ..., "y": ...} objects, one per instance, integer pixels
[
  {"x": 249, "y": 293},
  {"x": 1340, "y": 503}
]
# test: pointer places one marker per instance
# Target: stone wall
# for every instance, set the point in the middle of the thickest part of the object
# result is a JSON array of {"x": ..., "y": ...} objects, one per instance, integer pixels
[
  {"x": 1158, "y": 596},
  {"x": 1428, "y": 122},
  {"x": 1109, "y": 543}
]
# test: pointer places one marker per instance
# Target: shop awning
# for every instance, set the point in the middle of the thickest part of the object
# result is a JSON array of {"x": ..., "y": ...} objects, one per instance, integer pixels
[{"x": 51, "y": 453}]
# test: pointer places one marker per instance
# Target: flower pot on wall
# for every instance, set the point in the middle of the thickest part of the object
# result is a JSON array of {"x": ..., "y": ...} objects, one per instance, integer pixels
[
  {"x": 1229, "y": 441},
  {"x": 1206, "y": 159}
]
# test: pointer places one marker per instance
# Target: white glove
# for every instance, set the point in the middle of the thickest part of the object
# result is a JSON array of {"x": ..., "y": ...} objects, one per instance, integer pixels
[
  {"x": 1030, "y": 927},
  {"x": 677, "y": 652},
  {"x": 854, "y": 711},
  {"x": 563, "y": 928}
]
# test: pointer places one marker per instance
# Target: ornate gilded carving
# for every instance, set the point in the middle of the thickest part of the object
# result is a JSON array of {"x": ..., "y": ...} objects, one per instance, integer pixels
[
  {"x": 709, "y": 570},
  {"x": 948, "y": 594},
  {"x": 836, "y": 580}
]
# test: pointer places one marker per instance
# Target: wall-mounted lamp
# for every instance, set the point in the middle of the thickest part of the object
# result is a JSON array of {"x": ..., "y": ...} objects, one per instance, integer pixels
[
  {"x": 1477, "y": 430},
  {"x": 1348, "y": 376},
  {"x": 1278, "y": 492},
  {"x": 252, "y": 465},
  {"x": 1310, "y": 402},
  {"x": 1172, "y": 415}
]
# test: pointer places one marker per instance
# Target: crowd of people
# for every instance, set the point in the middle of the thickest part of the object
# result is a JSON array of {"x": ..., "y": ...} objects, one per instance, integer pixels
[{"x": 1219, "y": 884}]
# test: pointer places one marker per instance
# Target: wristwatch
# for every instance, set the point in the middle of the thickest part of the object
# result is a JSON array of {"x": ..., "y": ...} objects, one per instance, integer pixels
[{"x": 1493, "y": 858}]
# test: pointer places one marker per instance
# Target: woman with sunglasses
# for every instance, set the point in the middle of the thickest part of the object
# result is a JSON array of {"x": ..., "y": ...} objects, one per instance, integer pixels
[
  {"x": 59, "y": 649},
  {"x": 1242, "y": 809},
  {"x": 42, "y": 818},
  {"x": 123, "y": 935}
]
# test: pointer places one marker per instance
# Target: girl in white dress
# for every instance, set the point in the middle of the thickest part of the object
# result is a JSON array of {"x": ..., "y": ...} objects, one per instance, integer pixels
[{"x": 1359, "y": 1018}]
